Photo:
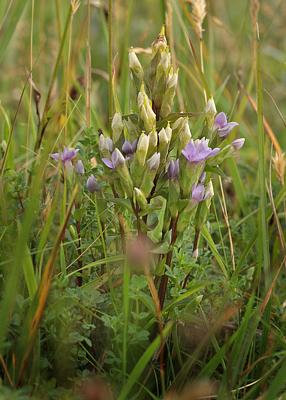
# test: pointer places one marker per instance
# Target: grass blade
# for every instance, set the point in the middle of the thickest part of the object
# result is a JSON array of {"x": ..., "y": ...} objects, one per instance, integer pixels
[{"x": 36, "y": 309}]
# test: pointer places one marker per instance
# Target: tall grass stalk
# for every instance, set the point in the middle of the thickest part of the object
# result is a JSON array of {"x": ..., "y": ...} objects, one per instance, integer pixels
[{"x": 264, "y": 240}]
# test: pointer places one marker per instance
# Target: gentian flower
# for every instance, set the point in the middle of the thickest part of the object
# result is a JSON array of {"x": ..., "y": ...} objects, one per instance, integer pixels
[
  {"x": 66, "y": 155},
  {"x": 173, "y": 170},
  {"x": 128, "y": 148},
  {"x": 196, "y": 153},
  {"x": 198, "y": 193},
  {"x": 199, "y": 151},
  {"x": 223, "y": 127},
  {"x": 92, "y": 184},
  {"x": 116, "y": 159}
]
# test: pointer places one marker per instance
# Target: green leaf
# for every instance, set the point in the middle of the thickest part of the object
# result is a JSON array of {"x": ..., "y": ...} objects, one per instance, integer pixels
[
  {"x": 79, "y": 213},
  {"x": 123, "y": 202},
  {"x": 11, "y": 28},
  {"x": 218, "y": 171}
]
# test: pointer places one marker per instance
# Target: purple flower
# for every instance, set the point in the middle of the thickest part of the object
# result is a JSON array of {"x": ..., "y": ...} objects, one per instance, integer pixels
[
  {"x": 238, "y": 143},
  {"x": 128, "y": 148},
  {"x": 66, "y": 155},
  {"x": 173, "y": 170},
  {"x": 198, "y": 193},
  {"x": 116, "y": 159},
  {"x": 92, "y": 184},
  {"x": 199, "y": 151},
  {"x": 223, "y": 127},
  {"x": 79, "y": 168}
]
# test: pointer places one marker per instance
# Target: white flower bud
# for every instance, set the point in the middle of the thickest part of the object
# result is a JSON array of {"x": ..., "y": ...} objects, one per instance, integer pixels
[
  {"x": 117, "y": 126},
  {"x": 142, "y": 148},
  {"x": 135, "y": 65},
  {"x": 154, "y": 162},
  {"x": 210, "y": 108}
]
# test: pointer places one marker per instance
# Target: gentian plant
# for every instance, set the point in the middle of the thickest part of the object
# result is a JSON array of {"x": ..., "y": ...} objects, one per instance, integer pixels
[{"x": 150, "y": 181}]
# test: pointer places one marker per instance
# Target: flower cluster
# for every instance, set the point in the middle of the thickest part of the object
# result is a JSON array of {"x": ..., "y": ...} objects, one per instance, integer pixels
[{"x": 141, "y": 176}]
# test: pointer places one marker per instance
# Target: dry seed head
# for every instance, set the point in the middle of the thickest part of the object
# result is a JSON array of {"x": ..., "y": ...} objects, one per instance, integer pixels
[
  {"x": 75, "y": 5},
  {"x": 254, "y": 13},
  {"x": 279, "y": 164},
  {"x": 198, "y": 14}
]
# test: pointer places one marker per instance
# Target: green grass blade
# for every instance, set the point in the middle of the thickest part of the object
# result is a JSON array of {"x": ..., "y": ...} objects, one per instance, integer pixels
[
  {"x": 34, "y": 315},
  {"x": 142, "y": 363},
  {"x": 264, "y": 240},
  {"x": 11, "y": 27},
  {"x": 211, "y": 243}
]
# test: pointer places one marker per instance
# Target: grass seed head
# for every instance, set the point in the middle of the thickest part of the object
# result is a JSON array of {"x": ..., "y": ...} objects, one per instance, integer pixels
[{"x": 279, "y": 163}]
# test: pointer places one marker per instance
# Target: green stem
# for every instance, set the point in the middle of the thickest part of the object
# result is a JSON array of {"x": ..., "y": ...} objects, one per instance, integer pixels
[{"x": 110, "y": 61}]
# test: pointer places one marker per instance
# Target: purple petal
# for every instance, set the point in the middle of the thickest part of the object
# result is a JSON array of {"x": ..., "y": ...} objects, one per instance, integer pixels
[
  {"x": 134, "y": 144},
  {"x": 108, "y": 163},
  {"x": 68, "y": 155},
  {"x": 238, "y": 143},
  {"x": 127, "y": 148},
  {"x": 207, "y": 195},
  {"x": 220, "y": 121},
  {"x": 56, "y": 156}
]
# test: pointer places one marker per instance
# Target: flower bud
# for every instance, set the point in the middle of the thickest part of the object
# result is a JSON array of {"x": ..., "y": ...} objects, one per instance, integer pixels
[
  {"x": 116, "y": 126},
  {"x": 163, "y": 66},
  {"x": 185, "y": 137},
  {"x": 227, "y": 152},
  {"x": 79, "y": 168},
  {"x": 141, "y": 199},
  {"x": 153, "y": 163},
  {"x": 105, "y": 146},
  {"x": 204, "y": 208},
  {"x": 168, "y": 131},
  {"x": 92, "y": 184},
  {"x": 238, "y": 143},
  {"x": 168, "y": 102},
  {"x": 153, "y": 141},
  {"x": 150, "y": 173},
  {"x": 146, "y": 114},
  {"x": 160, "y": 43},
  {"x": 135, "y": 66},
  {"x": 142, "y": 148},
  {"x": 176, "y": 129},
  {"x": 195, "y": 254},
  {"x": 202, "y": 178},
  {"x": 118, "y": 159},
  {"x": 210, "y": 112},
  {"x": 132, "y": 129}
]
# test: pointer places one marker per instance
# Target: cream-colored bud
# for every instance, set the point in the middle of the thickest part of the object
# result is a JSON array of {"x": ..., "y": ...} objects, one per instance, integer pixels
[
  {"x": 185, "y": 137},
  {"x": 163, "y": 138},
  {"x": 210, "y": 108},
  {"x": 168, "y": 131},
  {"x": 141, "y": 199},
  {"x": 142, "y": 148},
  {"x": 116, "y": 126},
  {"x": 135, "y": 65},
  {"x": 160, "y": 43},
  {"x": 117, "y": 158}
]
